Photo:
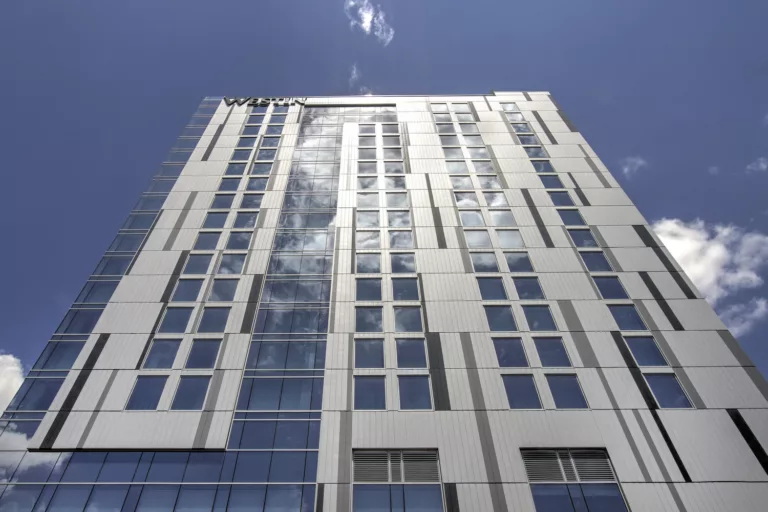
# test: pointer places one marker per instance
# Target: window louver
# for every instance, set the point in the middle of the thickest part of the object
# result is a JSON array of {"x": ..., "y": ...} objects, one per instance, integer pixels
[
  {"x": 568, "y": 466},
  {"x": 396, "y": 466}
]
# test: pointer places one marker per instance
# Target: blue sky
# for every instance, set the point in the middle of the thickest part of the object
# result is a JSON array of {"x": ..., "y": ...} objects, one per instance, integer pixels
[{"x": 94, "y": 94}]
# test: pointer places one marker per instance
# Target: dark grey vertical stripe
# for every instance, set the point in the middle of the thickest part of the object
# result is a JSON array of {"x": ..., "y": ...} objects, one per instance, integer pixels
[
  {"x": 749, "y": 438},
  {"x": 645, "y": 235},
  {"x": 260, "y": 218},
  {"x": 527, "y": 96},
  {"x": 649, "y": 241},
  {"x": 203, "y": 427},
  {"x": 689, "y": 388},
  {"x": 545, "y": 128},
  {"x": 97, "y": 409},
  {"x": 483, "y": 425},
  {"x": 645, "y": 315},
  {"x": 758, "y": 380},
  {"x": 180, "y": 221},
  {"x": 216, "y": 136},
  {"x": 587, "y": 355},
  {"x": 511, "y": 131},
  {"x": 537, "y": 218},
  {"x": 335, "y": 282},
  {"x": 250, "y": 307},
  {"x": 175, "y": 273},
  {"x": 438, "y": 222},
  {"x": 612, "y": 259},
  {"x": 320, "y": 497},
  {"x": 666, "y": 349},
  {"x": 497, "y": 167},
  {"x": 598, "y": 236},
  {"x": 451, "y": 498},
  {"x": 663, "y": 304},
  {"x": 74, "y": 394},
  {"x": 343, "y": 498},
  {"x": 580, "y": 193},
  {"x": 222, "y": 351},
  {"x": 597, "y": 172},
  {"x": 437, "y": 372},
  {"x": 567, "y": 121},
  {"x": 465, "y": 258},
  {"x": 735, "y": 348},
  {"x": 571, "y": 318}
]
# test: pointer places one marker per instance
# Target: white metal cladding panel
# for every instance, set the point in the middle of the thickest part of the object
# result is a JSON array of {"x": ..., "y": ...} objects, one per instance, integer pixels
[
  {"x": 721, "y": 387},
  {"x": 121, "y": 351},
  {"x": 540, "y": 198},
  {"x": 594, "y": 315},
  {"x": 257, "y": 262},
  {"x": 570, "y": 151},
  {"x": 611, "y": 215},
  {"x": 328, "y": 457},
  {"x": 586, "y": 180},
  {"x": 220, "y": 154},
  {"x": 263, "y": 239},
  {"x": 524, "y": 180},
  {"x": 218, "y": 431},
  {"x": 456, "y": 316},
  {"x": 438, "y": 181},
  {"x": 344, "y": 263},
  {"x": 147, "y": 429},
  {"x": 494, "y": 394},
  {"x": 121, "y": 389},
  {"x": 271, "y": 216},
  {"x": 615, "y": 441},
  {"x": 344, "y": 239},
  {"x": 425, "y": 152},
  {"x": 208, "y": 168},
  {"x": 439, "y": 261},
  {"x": 700, "y": 348},
  {"x": 420, "y": 197},
  {"x": 128, "y": 317},
  {"x": 140, "y": 289},
  {"x": 591, "y": 385},
  {"x": 474, "y": 497},
  {"x": 555, "y": 260},
  {"x": 757, "y": 419},
  {"x": 229, "y": 390},
  {"x": 523, "y": 216},
  {"x": 91, "y": 392},
  {"x": 726, "y": 456},
  {"x": 513, "y": 430},
  {"x": 71, "y": 431},
  {"x": 449, "y": 217},
  {"x": 426, "y": 237},
  {"x": 532, "y": 237},
  {"x": 518, "y": 498},
  {"x": 337, "y": 351},
  {"x": 453, "y": 354},
  {"x": 480, "y": 105},
  {"x": 185, "y": 240},
  {"x": 550, "y": 216},
  {"x": 719, "y": 496},
  {"x": 570, "y": 138},
  {"x": 414, "y": 117},
  {"x": 696, "y": 314},
  {"x": 345, "y": 288},
  {"x": 344, "y": 217},
  {"x": 638, "y": 259},
  {"x": 623, "y": 387},
  {"x": 621, "y": 236},
  {"x": 175, "y": 200},
  {"x": 575, "y": 165},
  {"x": 605, "y": 349},
  {"x": 458, "y": 390},
  {"x": 167, "y": 219},
  {"x": 509, "y": 152},
  {"x": 194, "y": 219},
  {"x": 452, "y": 287},
  {"x": 647, "y": 497},
  {"x": 607, "y": 197},
  {"x": 543, "y": 103},
  {"x": 236, "y": 351},
  {"x": 346, "y": 199},
  {"x": 155, "y": 263},
  {"x": 335, "y": 390},
  {"x": 667, "y": 285},
  {"x": 443, "y": 198},
  {"x": 202, "y": 201},
  {"x": 492, "y": 126},
  {"x": 498, "y": 139},
  {"x": 482, "y": 346},
  {"x": 657, "y": 316},
  {"x": 634, "y": 285},
  {"x": 416, "y": 127},
  {"x": 520, "y": 165}
]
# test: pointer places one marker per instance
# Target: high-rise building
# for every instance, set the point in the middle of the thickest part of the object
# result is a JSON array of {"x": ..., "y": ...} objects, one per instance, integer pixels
[{"x": 387, "y": 303}]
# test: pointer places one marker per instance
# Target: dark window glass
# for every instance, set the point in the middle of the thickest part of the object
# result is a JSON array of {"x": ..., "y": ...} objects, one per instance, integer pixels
[
  {"x": 195, "y": 498},
  {"x": 254, "y": 184},
  {"x": 187, "y": 290},
  {"x": 167, "y": 467},
  {"x": 162, "y": 354},
  {"x": 207, "y": 241},
  {"x": 113, "y": 265},
  {"x": 369, "y": 354},
  {"x": 484, "y": 262},
  {"x": 373, "y": 498},
  {"x": 157, "y": 497},
  {"x": 500, "y": 318},
  {"x": 127, "y": 242},
  {"x": 510, "y": 352},
  {"x": 645, "y": 351},
  {"x": 107, "y": 498},
  {"x": 528, "y": 288},
  {"x": 491, "y": 288},
  {"x": 222, "y": 201},
  {"x": 83, "y": 467},
  {"x": 566, "y": 392},
  {"x": 407, "y": 319},
  {"x": 667, "y": 391},
  {"x": 197, "y": 264},
  {"x": 261, "y": 168},
  {"x": 140, "y": 221},
  {"x": 418, "y": 498},
  {"x": 561, "y": 199},
  {"x": 190, "y": 394},
  {"x": 70, "y": 497},
  {"x": 582, "y": 238},
  {"x": 231, "y": 263},
  {"x": 368, "y": 263},
  {"x": 213, "y": 320},
  {"x": 553, "y": 498},
  {"x": 368, "y": 319},
  {"x": 521, "y": 392},
  {"x": 235, "y": 169},
  {"x": 627, "y": 317},
  {"x": 595, "y": 261},
  {"x": 552, "y": 352},
  {"x": 403, "y": 263},
  {"x": 215, "y": 220},
  {"x": 414, "y": 392},
  {"x": 539, "y": 318},
  {"x": 245, "y": 220},
  {"x": 203, "y": 354},
  {"x": 602, "y": 497},
  {"x": 551, "y": 181},
  {"x": 146, "y": 393},
  {"x": 239, "y": 240},
  {"x": 119, "y": 467},
  {"x": 571, "y": 217},
  {"x": 369, "y": 393},
  {"x": 368, "y": 289},
  {"x": 287, "y": 467},
  {"x": 229, "y": 184},
  {"x": 411, "y": 353},
  {"x": 34, "y": 467},
  {"x": 610, "y": 287},
  {"x": 79, "y": 321},
  {"x": 175, "y": 320},
  {"x": 518, "y": 262},
  {"x": 252, "y": 201},
  {"x": 59, "y": 356},
  {"x": 405, "y": 289}
]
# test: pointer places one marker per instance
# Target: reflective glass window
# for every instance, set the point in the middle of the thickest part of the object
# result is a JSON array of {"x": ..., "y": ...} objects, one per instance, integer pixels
[
  {"x": 566, "y": 391},
  {"x": 510, "y": 352},
  {"x": 146, "y": 393},
  {"x": 500, "y": 318},
  {"x": 414, "y": 392},
  {"x": 161, "y": 354},
  {"x": 521, "y": 391}
]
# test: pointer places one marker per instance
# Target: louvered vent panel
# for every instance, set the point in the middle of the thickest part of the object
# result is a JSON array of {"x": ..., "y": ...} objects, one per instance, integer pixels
[
  {"x": 542, "y": 466},
  {"x": 568, "y": 469},
  {"x": 421, "y": 467},
  {"x": 592, "y": 465},
  {"x": 395, "y": 460},
  {"x": 371, "y": 466}
]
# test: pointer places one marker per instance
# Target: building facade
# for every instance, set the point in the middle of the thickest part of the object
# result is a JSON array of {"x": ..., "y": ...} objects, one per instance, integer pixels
[{"x": 412, "y": 304}]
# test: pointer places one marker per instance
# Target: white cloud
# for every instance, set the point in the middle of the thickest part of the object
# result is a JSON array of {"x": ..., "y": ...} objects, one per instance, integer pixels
[
  {"x": 721, "y": 260},
  {"x": 759, "y": 165},
  {"x": 369, "y": 18},
  {"x": 713, "y": 170},
  {"x": 765, "y": 120},
  {"x": 354, "y": 75},
  {"x": 631, "y": 164},
  {"x": 11, "y": 376}
]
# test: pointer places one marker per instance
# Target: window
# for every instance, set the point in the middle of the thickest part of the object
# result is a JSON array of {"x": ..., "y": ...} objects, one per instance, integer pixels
[
  {"x": 368, "y": 289},
  {"x": 197, "y": 264},
  {"x": 582, "y": 238},
  {"x": 231, "y": 263},
  {"x": 146, "y": 393},
  {"x": 245, "y": 220},
  {"x": 627, "y": 317},
  {"x": 571, "y": 217},
  {"x": 495, "y": 199},
  {"x": 411, "y": 353},
  {"x": 536, "y": 152},
  {"x": 367, "y": 128},
  {"x": 453, "y": 153},
  {"x": 539, "y": 318},
  {"x": 187, "y": 290},
  {"x": 551, "y": 181},
  {"x": 500, "y": 318},
  {"x": 215, "y": 220},
  {"x": 367, "y": 200},
  {"x": 368, "y": 263},
  {"x": 478, "y": 239},
  {"x": 161, "y": 354},
  {"x": 405, "y": 289},
  {"x": 369, "y": 393},
  {"x": 518, "y": 262},
  {"x": 403, "y": 498},
  {"x": 368, "y": 319},
  {"x": 471, "y": 218},
  {"x": 59, "y": 355},
  {"x": 394, "y": 168},
  {"x": 566, "y": 391},
  {"x": 552, "y": 352},
  {"x": 207, "y": 241},
  {"x": 528, "y": 288},
  {"x": 398, "y": 219},
  {"x": 222, "y": 201},
  {"x": 414, "y": 392},
  {"x": 521, "y": 392},
  {"x": 645, "y": 351},
  {"x": 35, "y": 394},
  {"x": 459, "y": 167},
  {"x": 542, "y": 166},
  {"x": 239, "y": 240},
  {"x": 610, "y": 287},
  {"x": 484, "y": 262},
  {"x": 203, "y": 354},
  {"x": 403, "y": 263},
  {"x": 175, "y": 320},
  {"x": 484, "y": 167},
  {"x": 407, "y": 319},
  {"x": 367, "y": 240},
  {"x": 252, "y": 201},
  {"x": 190, "y": 395},
  {"x": 510, "y": 352},
  {"x": 578, "y": 498},
  {"x": 369, "y": 353},
  {"x": 254, "y": 184},
  {"x": 461, "y": 182},
  {"x": 492, "y": 288},
  {"x": 561, "y": 199},
  {"x": 229, "y": 184},
  {"x": 213, "y": 320},
  {"x": 367, "y": 219},
  {"x": 488, "y": 182},
  {"x": 366, "y": 154},
  {"x": 401, "y": 239},
  {"x": 367, "y": 183},
  {"x": 127, "y": 242},
  {"x": 502, "y": 218},
  {"x": 397, "y": 199},
  {"x": 366, "y": 141},
  {"x": 667, "y": 391},
  {"x": 113, "y": 266},
  {"x": 595, "y": 261},
  {"x": 510, "y": 239},
  {"x": 235, "y": 169},
  {"x": 464, "y": 199},
  {"x": 223, "y": 290}
]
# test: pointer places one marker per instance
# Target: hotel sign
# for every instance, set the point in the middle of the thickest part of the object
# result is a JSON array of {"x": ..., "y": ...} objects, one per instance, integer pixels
[{"x": 263, "y": 102}]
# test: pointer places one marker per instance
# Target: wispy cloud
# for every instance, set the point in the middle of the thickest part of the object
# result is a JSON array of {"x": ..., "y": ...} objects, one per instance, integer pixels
[
  {"x": 11, "y": 376},
  {"x": 354, "y": 75},
  {"x": 765, "y": 120},
  {"x": 370, "y": 19},
  {"x": 723, "y": 261},
  {"x": 631, "y": 164},
  {"x": 713, "y": 170},
  {"x": 759, "y": 165}
]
